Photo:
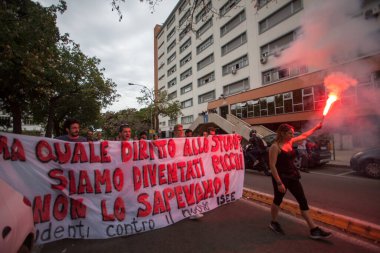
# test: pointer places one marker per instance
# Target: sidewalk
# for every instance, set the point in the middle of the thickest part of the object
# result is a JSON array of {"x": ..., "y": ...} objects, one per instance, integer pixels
[{"x": 342, "y": 157}]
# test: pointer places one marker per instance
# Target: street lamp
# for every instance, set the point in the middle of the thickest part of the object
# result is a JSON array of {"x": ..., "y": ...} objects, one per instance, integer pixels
[{"x": 151, "y": 97}]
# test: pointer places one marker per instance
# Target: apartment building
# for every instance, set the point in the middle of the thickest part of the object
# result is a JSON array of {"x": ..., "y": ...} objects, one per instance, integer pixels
[{"x": 230, "y": 56}]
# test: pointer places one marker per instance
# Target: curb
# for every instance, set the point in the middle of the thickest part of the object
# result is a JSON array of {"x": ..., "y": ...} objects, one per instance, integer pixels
[{"x": 351, "y": 225}]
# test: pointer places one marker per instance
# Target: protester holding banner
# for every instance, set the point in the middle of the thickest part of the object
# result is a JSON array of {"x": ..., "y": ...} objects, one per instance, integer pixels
[
  {"x": 99, "y": 190},
  {"x": 125, "y": 133},
  {"x": 72, "y": 127},
  {"x": 189, "y": 133},
  {"x": 211, "y": 131},
  {"x": 178, "y": 133},
  {"x": 143, "y": 135},
  {"x": 286, "y": 176}
]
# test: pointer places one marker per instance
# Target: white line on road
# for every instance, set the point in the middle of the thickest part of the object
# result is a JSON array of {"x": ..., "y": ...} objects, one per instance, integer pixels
[
  {"x": 334, "y": 175},
  {"x": 345, "y": 173}
]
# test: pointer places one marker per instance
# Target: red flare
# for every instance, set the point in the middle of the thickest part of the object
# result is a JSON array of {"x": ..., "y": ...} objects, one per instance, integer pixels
[{"x": 332, "y": 98}]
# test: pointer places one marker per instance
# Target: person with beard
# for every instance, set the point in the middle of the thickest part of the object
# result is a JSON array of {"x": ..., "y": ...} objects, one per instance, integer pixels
[{"x": 72, "y": 127}]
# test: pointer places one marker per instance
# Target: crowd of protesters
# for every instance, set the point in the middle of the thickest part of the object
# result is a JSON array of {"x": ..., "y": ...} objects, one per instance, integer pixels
[{"x": 72, "y": 129}]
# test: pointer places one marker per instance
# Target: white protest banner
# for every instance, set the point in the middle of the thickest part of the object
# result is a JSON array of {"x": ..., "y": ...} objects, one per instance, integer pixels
[{"x": 105, "y": 189}]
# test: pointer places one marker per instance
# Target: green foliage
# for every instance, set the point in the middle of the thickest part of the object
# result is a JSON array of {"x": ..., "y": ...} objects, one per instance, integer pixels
[
  {"x": 159, "y": 104},
  {"x": 28, "y": 35},
  {"x": 45, "y": 74},
  {"x": 111, "y": 121}
]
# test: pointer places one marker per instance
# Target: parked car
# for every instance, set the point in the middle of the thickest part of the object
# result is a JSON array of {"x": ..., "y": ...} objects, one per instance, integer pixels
[
  {"x": 16, "y": 221},
  {"x": 367, "y": 162},
  {"x": 319, "y": 152}
]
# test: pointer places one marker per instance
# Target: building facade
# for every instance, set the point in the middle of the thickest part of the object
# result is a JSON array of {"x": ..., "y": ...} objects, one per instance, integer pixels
[{"x": 232, "y": 57}]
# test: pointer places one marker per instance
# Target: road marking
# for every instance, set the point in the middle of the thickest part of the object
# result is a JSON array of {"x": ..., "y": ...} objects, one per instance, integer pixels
[
  {"x": 335, "y": 175},
  {"x": 345, "y": 173}
]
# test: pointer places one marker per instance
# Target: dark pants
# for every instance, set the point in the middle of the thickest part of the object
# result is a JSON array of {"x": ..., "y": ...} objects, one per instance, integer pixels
[{"x": 295, "y": 187}]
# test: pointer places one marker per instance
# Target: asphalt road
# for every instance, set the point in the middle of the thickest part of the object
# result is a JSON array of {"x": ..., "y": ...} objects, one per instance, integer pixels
[
  {"x": 338, "y": 190},
  {"x": 241, "y": 226}
]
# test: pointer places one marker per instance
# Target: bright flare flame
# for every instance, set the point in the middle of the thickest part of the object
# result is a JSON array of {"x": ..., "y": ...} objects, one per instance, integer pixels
[{"x": 332, "y": 98}]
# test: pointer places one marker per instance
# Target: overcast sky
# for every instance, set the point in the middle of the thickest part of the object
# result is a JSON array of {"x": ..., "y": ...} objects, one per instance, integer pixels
[{"x": 125, "y": 48}]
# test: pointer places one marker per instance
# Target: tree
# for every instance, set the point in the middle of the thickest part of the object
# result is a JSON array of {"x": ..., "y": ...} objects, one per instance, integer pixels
[
  {"x": 158, "y": 103},
  {"x": 207, "y": 11},
  {"x": 111, "y": 121},
  {"x": 45, "y": 74},
  {"x": 28, "y": 35},
  {"x": 77, "y": 88}
]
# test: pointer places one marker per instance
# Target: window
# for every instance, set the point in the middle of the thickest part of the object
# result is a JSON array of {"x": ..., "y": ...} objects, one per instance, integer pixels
[
  {"x": 280, "y": 15},
  {"x": 300, "y": 100},
  {"x": 171, "y": 46},
  {"x": 261, "y": 3},
  {"x": 187, "y": 103},
  {"x": 172, "y": 70},
  {"x": 235, "y": 43},
  {"x": 187, "y": 119},
  {"x": 308, "y": 100},
  {"x": 170, "y": 22},
  {"x": 172, "y": 57},
  {"x": 183, "y": 6},
  {"x": 270, "y": 106},
  {"x": 184, "y": 18},
  {"x": 172, "y": 122},
  {"x": 206, "y": 61},
  {"x": 283, "y": 72},
  {"x": 279, "y": 103},
  {"x": 234, "y": 22},
  {"x": 206, "y": 79},
  {"x": 171, "y": 34},
  {"x": 236, "y": 87},
  {"x": 204, "y": 27},
  {"x": 185, "y": 45},
  {"x": 275, "y": 47},
  {"x": 161, "y": 77},
  {"x": 235, "y": 65},
  {"x": 205, "y": 44},
  {"x": 206, "y": 97},
  {"x": 159, "y": 57},
  {"x": 172, "y": 95},
  {"x": 203, "y": 12},
  {"x": 185, "y": 59},
  {"x": 162, "y": 64},
  {"x": 187, "y": 88},
  {"x": 297, "y": 101},
  {"x": 227, "y": 7},
  {"x": 186, "y": 74},
  {"x": 172, "y": 82},
  {"x": 162, "y": 43},
  {"x": 184, "y": 32}
]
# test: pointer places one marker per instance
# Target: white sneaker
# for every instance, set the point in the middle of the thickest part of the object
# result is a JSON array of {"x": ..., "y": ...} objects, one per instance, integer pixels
[{"x": 196, "y": 216}]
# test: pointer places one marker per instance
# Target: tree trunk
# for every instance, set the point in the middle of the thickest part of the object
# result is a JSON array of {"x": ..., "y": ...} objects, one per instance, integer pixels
[
  {"x": 50, "y": 120},
  {"x": 16, "y": 115}
]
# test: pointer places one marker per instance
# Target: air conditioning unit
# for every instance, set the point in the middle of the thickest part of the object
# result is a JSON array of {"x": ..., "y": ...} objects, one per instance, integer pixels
[
  {"x": 263, "y": 59},
  {"x": 233, "y": 71}
]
